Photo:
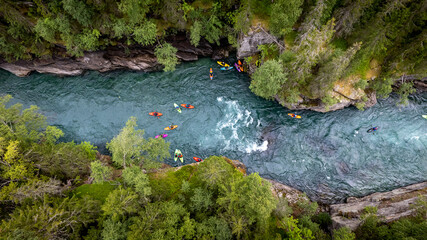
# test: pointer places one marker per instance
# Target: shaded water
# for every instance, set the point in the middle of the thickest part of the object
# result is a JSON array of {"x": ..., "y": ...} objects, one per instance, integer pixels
[{"x": 329, "y": 156}]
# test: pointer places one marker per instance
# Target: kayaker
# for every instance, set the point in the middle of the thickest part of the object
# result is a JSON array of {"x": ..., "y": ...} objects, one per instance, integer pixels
[
  {"x": 155, "y": 114},
  {"x": 372, "y": 129},
  {"x": 187, "y": 105}
]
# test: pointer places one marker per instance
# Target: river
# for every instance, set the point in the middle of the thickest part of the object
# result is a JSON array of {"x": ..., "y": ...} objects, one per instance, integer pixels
[{"x": 330, "y": 156}]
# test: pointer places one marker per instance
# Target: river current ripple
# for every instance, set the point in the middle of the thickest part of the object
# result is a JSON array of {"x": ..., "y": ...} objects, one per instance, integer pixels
[{"x": 330, "y": 156}]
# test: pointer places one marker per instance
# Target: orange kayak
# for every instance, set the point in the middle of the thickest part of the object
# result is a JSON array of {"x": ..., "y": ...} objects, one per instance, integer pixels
[
  {"x": 294, "y": 115},
  {"x": 173, "y": 127},
  {"x": 185, "y": 106},
  {"x": 155, "y": 114},
  {"x": 197, "y": 159}
]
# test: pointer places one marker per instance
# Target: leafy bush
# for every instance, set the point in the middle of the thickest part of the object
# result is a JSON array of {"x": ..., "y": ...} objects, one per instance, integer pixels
[
  {"x": 268, "y": 79},
  {"x": 166, "y": 55}
]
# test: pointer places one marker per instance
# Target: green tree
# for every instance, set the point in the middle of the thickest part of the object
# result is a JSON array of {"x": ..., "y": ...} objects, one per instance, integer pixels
[
  {"x": 361, "y": 84},
  {"x": 51, "y": 219},
  {"x": 130, "y": 147},
  {"x": 246, "y": 201},
  {"x": 201, "y": 200},
  {"x": 331, "y": 72},
  {"x": 268, "y": 79},
  {"x": 382, "y": 86},
  {"x": 281, "y": 21},
  {"x": 46, "y": 28},
  {"x": 100, "y": 172},
  {"x": 89, "y": 40},
  {"x": 166, "y": 55},
  {"x": 121, "y": 28},
  {"x": 404, "y": 90},
  {"x": 293, "y": 232},
  {"x": 126, "y": 147},
  {"x": 214, "y": 228},
  {"x": 113, "y": 230},
  {"x": 134, "y": 10},
  {"x": 195, "y": 32},
  {"x": 155, "y": 151},
  {"x": 63, "y": 160},
  {"x": 216, "y": 171},
  {"x": 120, "y": 203},
  {"x": 17, "y": 124},
  {"x": 13, "y": 165},
  {"x": 145, "y": 34},
  {"x": 79, "y": 11},
  {"x": 212, "y": 29},
  {"x": 134, "y": 177},
  {"x": 343, "y": 233},
  {"x": 159, "y": 220}
]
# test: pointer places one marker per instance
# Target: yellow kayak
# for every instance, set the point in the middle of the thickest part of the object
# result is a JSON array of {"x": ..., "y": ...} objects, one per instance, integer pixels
[
  {"x": 171, "y": 127},
  {"x": 222, "y": 64},
  {"x": 294, "y": 115}
]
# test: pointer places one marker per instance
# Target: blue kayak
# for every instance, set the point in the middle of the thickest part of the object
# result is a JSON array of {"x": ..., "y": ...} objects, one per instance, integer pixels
[{"x": 226, "y": 68}]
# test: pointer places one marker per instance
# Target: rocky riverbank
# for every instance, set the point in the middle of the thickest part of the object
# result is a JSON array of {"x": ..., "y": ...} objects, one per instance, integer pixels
[{"x": 113, "y": 58}]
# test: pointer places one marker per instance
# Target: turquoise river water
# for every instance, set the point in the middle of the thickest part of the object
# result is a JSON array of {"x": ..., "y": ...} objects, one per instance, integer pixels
[{"x": 330, "y": 156}]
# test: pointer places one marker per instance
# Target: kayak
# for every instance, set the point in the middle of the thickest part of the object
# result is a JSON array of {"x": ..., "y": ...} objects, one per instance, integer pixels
[
  {"x": 177, "y": 154},
  {"x": 226, "y": 68},
  {"x": 177, "y": 107},
  {"x": 211, "y": 74},
  {"x": 372, "y": 129},
  {"x": 294, "y": 115},
  {"x": 197, "y": 159},
  {"x": 185, "y": 106},
  {"x": 223, "y": 64},
  {"x": 161, "y": 135},
  {"x": 154, "y": 114},
  {"x": 237, "y": 67},
  {"x": 169, "y": 128},
  {"x": 424, "y": 116}
]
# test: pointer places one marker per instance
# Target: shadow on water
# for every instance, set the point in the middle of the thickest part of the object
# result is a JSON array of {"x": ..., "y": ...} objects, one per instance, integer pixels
[{"x": 329, "y": 156}]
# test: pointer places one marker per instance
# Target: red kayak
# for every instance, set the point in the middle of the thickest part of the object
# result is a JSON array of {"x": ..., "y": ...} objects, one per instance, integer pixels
[
  {"x": 187, "y": 106},
  {"x": 197, "y": 159},
  {"x": 155, "y": 114}
]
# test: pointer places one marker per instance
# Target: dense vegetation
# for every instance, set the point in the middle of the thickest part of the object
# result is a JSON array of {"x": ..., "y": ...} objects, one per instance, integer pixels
[
  {"x": 372, "y": 41},
  {"x": 364, "y": 42},
  {"x": 57, "y": 190}
]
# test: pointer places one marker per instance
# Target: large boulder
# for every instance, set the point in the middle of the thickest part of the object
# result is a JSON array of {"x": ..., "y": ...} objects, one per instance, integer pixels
[{"x": 248, "y": 44}]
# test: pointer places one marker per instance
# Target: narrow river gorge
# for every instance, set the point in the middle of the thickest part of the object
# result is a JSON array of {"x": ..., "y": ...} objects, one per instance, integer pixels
[{"x": 330, "y": 156}]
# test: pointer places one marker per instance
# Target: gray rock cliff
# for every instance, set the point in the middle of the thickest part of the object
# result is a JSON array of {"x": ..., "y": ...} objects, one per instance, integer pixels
[
  {"x": 135, "y": 58},
  {"x": 391, "y": 206}
]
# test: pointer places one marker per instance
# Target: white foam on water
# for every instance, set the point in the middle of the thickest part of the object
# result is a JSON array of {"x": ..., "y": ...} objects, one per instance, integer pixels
[
  {"x": 234, "y": 119},
  {"x": 249, "y": 120},
  {"x": 415, "y": 137},
  {"x": 254, "y": 147}
]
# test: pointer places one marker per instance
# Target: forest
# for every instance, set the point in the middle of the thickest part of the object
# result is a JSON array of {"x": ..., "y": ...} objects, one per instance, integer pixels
[
  {"x": 63, "y": 190},
  {"x": 320, "y": 42},
  {"x": 52, "y": 189}
]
